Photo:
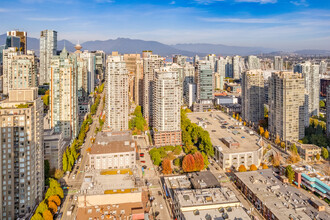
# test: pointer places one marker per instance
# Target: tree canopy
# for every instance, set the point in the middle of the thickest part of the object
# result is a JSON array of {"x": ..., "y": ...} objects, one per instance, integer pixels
[{"x": 193, "y": 134}]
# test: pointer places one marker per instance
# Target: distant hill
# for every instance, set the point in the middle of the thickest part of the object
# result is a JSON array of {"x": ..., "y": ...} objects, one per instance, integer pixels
[
  {"x": 126, "y": 45},
  {"x": 313, "y": 52},
  {"x": 220, "y": 49}
]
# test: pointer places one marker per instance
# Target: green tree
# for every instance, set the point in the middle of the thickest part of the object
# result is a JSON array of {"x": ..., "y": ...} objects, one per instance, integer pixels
[
  {"x": 41, "y": 207},
  {"x": 65, "y": 162},
  {"x": 177, "y": 162},
  {"x": 45, "y": 99},
  {"x": 177, "y": 150},
  {"x": 322, "y": 104},
  {"x": 206, "y": 159},
  {"x": 325, "y": 153},
  {"x": 37, "y": 216},
  {"x": 58, "y": 174},
  {"x": 289, "y": 173},
  {"x": 294, "y": 149}
]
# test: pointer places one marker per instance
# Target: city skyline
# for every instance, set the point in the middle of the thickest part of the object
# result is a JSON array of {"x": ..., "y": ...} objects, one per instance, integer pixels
[{"x": 289, "y": 25}]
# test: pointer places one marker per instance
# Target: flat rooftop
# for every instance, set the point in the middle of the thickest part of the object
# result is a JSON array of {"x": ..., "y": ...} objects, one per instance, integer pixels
[
  {"x": 107, "y": 136},
  {"x": 203, "y": 179},
  {"x": 96, "y": 184},
  {"x": 237, "y": 213},
  {"x": 112, "y": 147},
  {"x": 178, "y": 182},
  {"x": 206, "y": 197},
  {"x": 247, "y": 144},
  {"x": 283, "y": 200}
]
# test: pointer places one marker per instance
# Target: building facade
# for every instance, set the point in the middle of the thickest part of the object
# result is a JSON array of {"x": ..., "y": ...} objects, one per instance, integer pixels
[
  {"x": 253, "y": 96},
  {"x": 48, "y": 48},
  {"x": 54, "y": 147},
  {"x": 8, "y": 55},
  {"x": 167, "y": 98},
  {"x": 310, "y": 73},
  {"x": 116, "y": 99},
  {"x": 63, "y": 98},
  {"x": 205, "y": 82},
  {"x": 22, "y": 167},
  {"x": 150, "y": 63},
  {"x": 287, "y": 105},
  {"x": 23, "y": 72},
  {"x": 134, "y": 67}
]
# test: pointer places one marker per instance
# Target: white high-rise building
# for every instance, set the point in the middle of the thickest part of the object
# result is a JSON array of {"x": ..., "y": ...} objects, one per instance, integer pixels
[
  {"x": 253, "y": 63},
  {"x": 253, "y": 96},
  {"x": 8, "y": 55},
  {"x": 310, "y": 72},
  {"x": 150, "y": 63},
  {"x": 278, "y": 63},
  {"x": 90, "y": 57},
  {"x": 167, "y": 97},
  {"x": 236, "y": 67},
  {"x": 48, "y": 47},
  {"x": 323, "y": 67},
  {"x": 63, "y": 95},
  {"x": 116, "y": 99},
  {"x": 21, "y": 71},
  {"x": 22, "y": 164}
]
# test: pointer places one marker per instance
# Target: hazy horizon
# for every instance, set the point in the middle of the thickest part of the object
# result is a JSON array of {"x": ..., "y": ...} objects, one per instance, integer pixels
[{"x": 277, "y": 24}]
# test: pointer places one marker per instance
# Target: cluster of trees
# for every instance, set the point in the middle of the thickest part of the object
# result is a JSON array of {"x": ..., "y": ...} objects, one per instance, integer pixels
[
  {"x": 193, "y": 135},
  {"x": 193, "y": 162},
  {"x": 158, "y": 154},
  {"x": 294, "y": 156},
  {"x": 45, "y": 98},
  {"x": 316, "y": 133},
  {"x": 95, "y": 105},
  {"x": 48, "y": 207},
  {"x": 138, "y": 124},
  {"x": 71, "y": 153},
  {"x": 42, "y": 91},
  {"x": 325, "y": 153},
  {"x": 289, "y": 173},
  {"x": 253, "y": 167},
  {"x": 100, "y": 88},
  {"x": 263, "y": 133}
]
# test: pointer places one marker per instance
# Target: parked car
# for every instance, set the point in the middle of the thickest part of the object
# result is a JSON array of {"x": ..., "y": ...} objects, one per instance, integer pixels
[
  {"x": 141, "y": 154},
  {"x": 144, "y": 167},
  {"x": 161, "y": 206},
  {"x": 74, "y": 176},
  {"x": 214, "y": 131},
  {"x": 143, "y": 161}
]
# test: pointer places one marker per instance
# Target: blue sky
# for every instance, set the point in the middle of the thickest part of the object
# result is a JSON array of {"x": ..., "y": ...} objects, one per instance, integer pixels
[{"x": 280, "y": 24}]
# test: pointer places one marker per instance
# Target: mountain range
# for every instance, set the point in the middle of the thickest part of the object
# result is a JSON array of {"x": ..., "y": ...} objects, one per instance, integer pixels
[{"x": 126, "y": 45}]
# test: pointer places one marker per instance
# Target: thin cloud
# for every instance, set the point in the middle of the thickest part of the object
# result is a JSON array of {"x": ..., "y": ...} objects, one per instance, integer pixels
[
  {"x": 172, "y": 3},
  {"x": 300, "y": 3},
  {"x": 259, "y": 1},
  {"x": 104, "y": 1},
  {"x": 242, "y": 20},
  {"x": 48, "y": 19},
  {"x": 207, "y": 2}
]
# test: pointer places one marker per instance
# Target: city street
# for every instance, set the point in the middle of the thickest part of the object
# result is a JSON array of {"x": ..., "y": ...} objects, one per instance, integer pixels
[
  {"x": 75, "y": 184},
  {"x": 155, "y": 189}
]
